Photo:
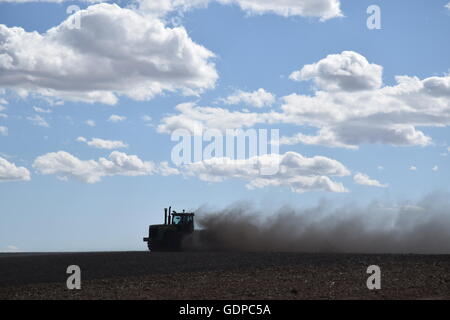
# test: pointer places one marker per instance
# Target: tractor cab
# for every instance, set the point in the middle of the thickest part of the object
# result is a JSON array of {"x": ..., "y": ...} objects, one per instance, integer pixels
[
  {"x": 183, "y": 220},
  {"x": 169, "y": 236}
]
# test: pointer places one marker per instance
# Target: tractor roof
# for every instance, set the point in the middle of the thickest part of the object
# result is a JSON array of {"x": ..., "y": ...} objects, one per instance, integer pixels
[{"x": 182, "y": 213}]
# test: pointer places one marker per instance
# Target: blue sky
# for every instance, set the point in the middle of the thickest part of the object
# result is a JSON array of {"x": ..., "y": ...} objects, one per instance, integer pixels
[{"x": 49, "y": 204}]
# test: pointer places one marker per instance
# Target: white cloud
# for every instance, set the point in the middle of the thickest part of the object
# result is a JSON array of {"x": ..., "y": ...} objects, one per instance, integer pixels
[
  {"x": 50, "y": 1},
  {"x": 344, "y": 115},
  {"x": 196, "y": 118},
  {"x": 165, "y": 170},
  {"x": 365, "y": 180},
  {"x": 2, "y": 108},
  {"x": 2, "y": 115},
  {"x": 299, "y": 173},
  {"x": 10, "y": 172},
  {"x": 115, "y": 118},
  {"x": 90, "y": 123},
  {"x": 66, "y": 166},
  {"x": 413, "y": 168},
  {"x": 160, "y": 8},
  {"x": 347, "y": 117},
  {"x": 448, "y": 5},
  {"x": 347, "y": 71},
  {"x": 37, "y": 120},
  {"x": 325, "y": 137},
  {"x": 103, "y": 144},
  {"x": 323, "y": 9},
  {"x": 258, "y": 99},
  {"x": 435, "y": 168},
  {"x": 41, "y": 110},
  {"x": 115, "y": 52},
  {"x": 3, "y": 131}
]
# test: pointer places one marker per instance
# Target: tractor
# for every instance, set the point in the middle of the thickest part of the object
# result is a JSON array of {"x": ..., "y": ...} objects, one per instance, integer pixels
[{"x": 170, "y": 235}]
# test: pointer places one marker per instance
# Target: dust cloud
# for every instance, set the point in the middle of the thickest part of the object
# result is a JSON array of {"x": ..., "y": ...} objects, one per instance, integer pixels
[{"x": 420, "y": 227}]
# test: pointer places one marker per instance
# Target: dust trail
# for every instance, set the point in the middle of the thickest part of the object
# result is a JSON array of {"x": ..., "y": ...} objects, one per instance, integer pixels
[{"x": 422, "y": 227}]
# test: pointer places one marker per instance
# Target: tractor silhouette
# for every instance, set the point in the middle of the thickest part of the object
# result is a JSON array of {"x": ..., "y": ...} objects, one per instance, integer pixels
[{"x": 169, "y": 236}]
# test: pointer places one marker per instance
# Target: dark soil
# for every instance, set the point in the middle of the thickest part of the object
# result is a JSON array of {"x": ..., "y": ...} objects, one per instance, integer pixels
[{"x": 223, "y": 275}]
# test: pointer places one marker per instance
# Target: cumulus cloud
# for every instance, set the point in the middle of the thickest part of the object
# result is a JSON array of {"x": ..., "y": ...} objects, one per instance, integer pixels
[
  {"x": 3, "y": 131},
  {"x": 66, "y": 166},
  {"x": 370, "y": 114},
  {"x": 323, "y": 9},
  {"x": 10, "y": 172},
  {"x": 197, "y": 118},
  {"x": 258, "y": 99},
  {"x": 351, "y": 137},
  {"x": 365, "y": 180},
  {"x": 116, "y": 118},
  {"x": 345, "y": 113},
  {"x": 160, "y": 8},
  {"x": 165, "y": 169},
  {"x": 37, "y": 120},
  {"x": 347, "y": 71},
  {"x": 50, "y": 1},
  {"x": 351, "y": 107},
  {"x": 299, "y": 173},
  {"x": 103, "y": 144},
  {"x": 325, "y": 137},
  {"x": 413, "y": 168},
  {"x": 116, "y": 52},
  {"x": 435, "y": 168}
]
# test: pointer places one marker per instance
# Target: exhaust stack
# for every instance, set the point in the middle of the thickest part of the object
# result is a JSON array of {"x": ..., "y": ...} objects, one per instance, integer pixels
[
  {"x": 165, "y": 215},
  {"x": 169, "y": 214}
]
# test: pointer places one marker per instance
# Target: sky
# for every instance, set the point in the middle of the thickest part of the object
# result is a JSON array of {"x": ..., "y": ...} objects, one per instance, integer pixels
[{"x": 91, "y": 93}]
